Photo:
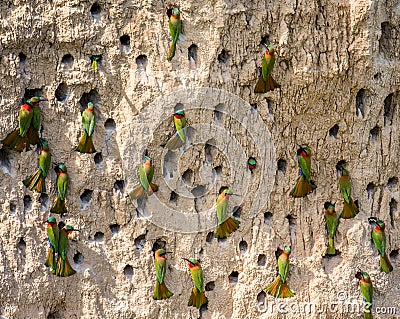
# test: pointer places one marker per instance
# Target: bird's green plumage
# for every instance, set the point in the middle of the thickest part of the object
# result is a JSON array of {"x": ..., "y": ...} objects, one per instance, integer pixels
[
  {"x": 64, "y": 269},
  {"x": 160, "y": 265},
  {"x": 367, "y": 292},
  {"x": 197, "y": 274},
  {"x": 89, "y": 121},
  {"x": 24, "y": 119},
  {"x": 45, "y": 160},
  {"x": 53, "y": 237},
  {"x": 345, "y": 186},
  {"x": 180, "y": 126},
  {"x": 268, "y": 63},
  {"x": 222, "y": 205},
  {"x": 62, "y": 185},
  {"x": 379, "y": 239},
  {"x": 36, "y": 113},
  {"x": 283, "y": 263},
  {"x": 175, "y": 26},
  {"x": 331, "y": 221}
]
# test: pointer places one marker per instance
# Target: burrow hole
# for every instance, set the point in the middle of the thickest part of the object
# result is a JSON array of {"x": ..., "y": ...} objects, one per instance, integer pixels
[
  {"x": 210, "y": 237},
  {"x": 199, "y": 191},
  {"x": 333, "y": 131},
  {"x": 210, "y": 150},
  {"x": 44, "y": 201},
  {"x": 95, "y": 11},
  {"x": 98, "y": 237},
  {"x": 262, "y": 260},
  {"x": 173, "y": 198},
  {"x": 210, "y": 286},
  {"x": 233, "y": 277},
  {"x": 141, "y": 62},
  {"x": 86, "y": 197},
  {"x": 374, "y": 133},
  {"x": 67, "y": 61},
  {"x": 128, "y": 271},
  {"x": 125, "y": 40},
  {"x": 21, "y": 245},
  {"x": 394, "y": 254},
  {"x": 392, "y": 183},
  {"x": 13, "y": 208},
  {"x": 253, "y": 108},
  {"x": 159, "y": 244},
  {"x": 119, "y": 185},
  {"x": 192, "y": 57},
  {"x": 236, "y": 211},
  {"x": 271, "y": 106},
  {"x": 267, "y": 217},
  {"x": 93, "y": 96},
  {"x": 110, "y": 125},
  {"x": 371, "y": 189},
  {"x": 78, "y": 258},
  {"x": 243, "y": 246},
  {"x": 22, "y": 60},
  {"x": 261, "y": 299},
  {"x": 389, "y": 109},
  {"x": 27, "y": 203},
  {"x": 115, "y": 228},
  {"x": 218, "y": 112},
  {"x": 360, "y": 102},
  {"x": 32, "y": 92},
  {"x": 187, "y": 177},
  {"x": 5, "y": 162},
  {"x": 98, "y": 158},
  {"x": 340, "y": 166},
  {"x": 62, "y": 92},
  {"x": 282, "y": 165},
  {"x": 179, "y": 106},
  {"x": 140, "y": 241},
  {"x": 223, "y": 57},
  {"x": 264, "y": 42}
]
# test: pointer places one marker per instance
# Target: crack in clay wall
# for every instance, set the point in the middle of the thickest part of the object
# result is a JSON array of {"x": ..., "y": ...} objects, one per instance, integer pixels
[{"x": 338, "y": 65}]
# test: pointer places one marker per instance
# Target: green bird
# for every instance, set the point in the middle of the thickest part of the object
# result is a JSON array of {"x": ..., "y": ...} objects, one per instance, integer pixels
[
  {"x": 62, "y": 187},
  {"x": 179, "y": 138},
  {"x": 252, "y": 164},
  {"x": 89, "y": 122},
  {"x": 226, "y": 225},
  {"x": 64, "y": 269},
  {"x": 279, "y": 287},
  {"x": 266, "y": 82},
  {"x": 19, "y": 139},
  {"x": 331, "y": 221},
  {"x": 304, "y": 185},
  {"x": 37, "y": 180},
  {"x": 367, "y": 291},
  {"x": 379, "y": 239},
  {"x": 145, "y": 187},
  {"x": 175, "y": 27},
  {"x": 53, "y": 235},
  {"x": 197, "y": 297},
  {"x": 95, "y": 62},
  {"x": 34, "y": 128},
  {"x": 350, "y": 209},
  {"x": 160, "y": 290}
]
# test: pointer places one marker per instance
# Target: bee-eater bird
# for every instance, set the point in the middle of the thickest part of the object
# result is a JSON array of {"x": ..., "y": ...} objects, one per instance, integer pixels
[
  {"x": 179, "y": 138},
  {"x": 379, "y": 239},
  {"x": 331, "y": 222},
  {"x": 160, "y": 290},
  {"x": 350, "y": 209},
  {"x": 175, "y": 26},
  {"x": 53, "y": 235},
  {"x": 226, "y": 225},
  {"x": 89, "y": 122},
  {"x": 279, "y": 287},
  {"x": 367, "y": 291},
  {"x": 145, "y": 187},
  {"x": 64, "y": 269},
  {"x": 62, "y": 187},
  {"x": 266, "y": 82},
  {"x": 304, "y": 185},
  {"x": 37, "y": 180},
  {"x": 197, "y": 297}
]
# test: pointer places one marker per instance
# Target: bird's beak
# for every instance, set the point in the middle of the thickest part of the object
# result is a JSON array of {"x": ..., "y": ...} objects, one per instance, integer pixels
[
  {"x": 169, "y": 252},
  {"x": 42, "y": 99},
  {"x": 186, "y": 260},
  {"x": 372, "y": 220},
  {"x": 76, "y": 230}
]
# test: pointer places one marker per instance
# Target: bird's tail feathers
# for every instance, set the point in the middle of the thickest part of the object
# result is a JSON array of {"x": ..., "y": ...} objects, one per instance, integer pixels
[
  {"x": 302, "y": 187},
  {"x": 161, "y": 291},
  {"x": 227, "y": 227}
]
